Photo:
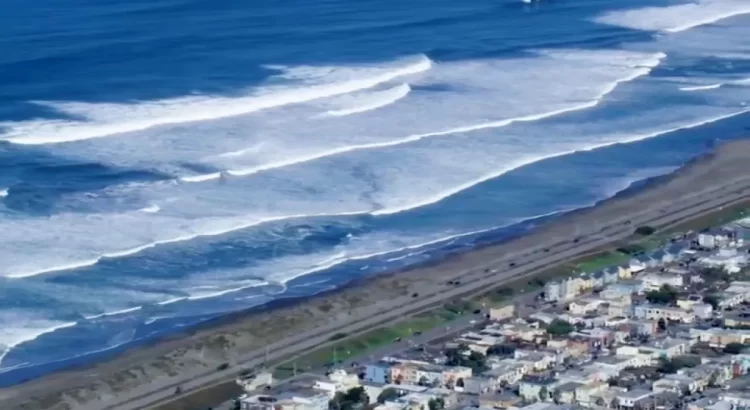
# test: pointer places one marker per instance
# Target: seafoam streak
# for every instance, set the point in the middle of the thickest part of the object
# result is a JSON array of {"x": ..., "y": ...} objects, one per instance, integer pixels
[
  {"x": 676, "y": 18},
  {"x": 138, "y": 249},
  {"x": 701, "y": 87},
  {"x": 11, "y": 337},
  {"x": 609, "y": 88},
  {"x": 523, "y": 162},
  {"x": 382, "y": 99},
  {"x": 107, "y": 119}
]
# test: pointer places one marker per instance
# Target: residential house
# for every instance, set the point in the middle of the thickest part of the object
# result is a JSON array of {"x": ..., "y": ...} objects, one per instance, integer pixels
[
  {"x": 503, "y": 400},
  {"x": 452, "y": 374},
  {"x": 667, "y": 347},
  {"x": 509, "y": 371},
  {"x": 728, "y": 259},
  {"x": 338, "y": 381},
  {"x": 480, "y": 384},
  {"x": 718, "y": 337},
  {"x": 688, "y": 302},
  {"x": 585, "y": 394},
  {"x": 735, "y": 294},
  {"x": 565, "y": 392},
  {"x": 657, "y": 280},
  {"x": 736, "y": 399},
  {"x": 536, "y": 388},
  {"x": 298, "y": 399},
  {"x": 703, "y": 310},
  {"x": 584, "y": 305},
  {"x": 536, "y": 360},
  {"x": 676, "y": 383},
  {"x": 633, "y": 398},
  {"x": 378, "y": 372},
  {"x": 655, "y": 312}
]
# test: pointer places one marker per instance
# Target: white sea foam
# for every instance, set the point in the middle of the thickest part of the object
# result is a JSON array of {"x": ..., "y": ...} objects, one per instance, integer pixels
[
  {"x": 377, "y": 100},
  {"x": 138, "y": 249},
  {"x": 3, "y": 193},
  {"x": 676, "y": 18},
  {"x": 701, "y": 87},
  {"x": 172, "y": 300},
  {"x": 108, "y": 119},
  {"x": 532, "y": 159},
  {"x": 151, "y": 209},
  {"x": 641, "y": 65},
  {"x": 20, "y": 327},
  {"x": 219, "y": 292},
  {"x": 116, "y": 312},
  {"x": 319, "y": 188},
  {"x": 201, "y": 177}
]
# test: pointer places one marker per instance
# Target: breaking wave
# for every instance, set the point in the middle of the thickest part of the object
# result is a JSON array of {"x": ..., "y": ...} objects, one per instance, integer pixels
[
  {"x": 676, "y": 18},
  {"x": 380, "y": 99},
  {"x": 103, "y": 120}
]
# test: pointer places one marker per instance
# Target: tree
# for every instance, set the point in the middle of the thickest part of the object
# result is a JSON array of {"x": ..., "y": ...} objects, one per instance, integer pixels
[
  {"x": 353, "y": 398},
  {"x": 712, "y": 300},
  {"x": 387, "y": 395},
  {"x": 462, "y": 356},
  {"x": 543, "y": 394},
  {"x": 734, "y": 348},
  {"x": 423, "y": 381},
  {"x": 645, "y": 230},
  {"x": 662, "y": 324},
  {"x": 559, "y": 327},
  {"x": 665, "y": 296},
  {"x": 714, "y": 274},
  {"x": 436, "y": 403},
  {"x": 501, "y": 349},
  {"x": 677, "y": 363}
]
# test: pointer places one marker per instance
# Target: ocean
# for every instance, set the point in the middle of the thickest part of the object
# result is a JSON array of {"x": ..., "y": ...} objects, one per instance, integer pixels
[{"x": 164, "y": 163}]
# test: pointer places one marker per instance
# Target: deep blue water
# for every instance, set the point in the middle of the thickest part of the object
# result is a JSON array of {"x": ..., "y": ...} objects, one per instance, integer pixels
[{"x": 166, "y": 162}]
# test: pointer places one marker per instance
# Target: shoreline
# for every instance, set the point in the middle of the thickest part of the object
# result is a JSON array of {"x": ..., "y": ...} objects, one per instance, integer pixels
[{"x": 348, "y": 296}]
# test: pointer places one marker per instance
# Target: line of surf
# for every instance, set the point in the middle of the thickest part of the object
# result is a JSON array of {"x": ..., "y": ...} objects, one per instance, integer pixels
[
  {"x": 671, "y": 19},
  {"x": 707, "y": 20},
  {"x": 6, "y": 348},
  {"x": 529, "y": 161},
  {"x": 114, "y": 313},
  {"x": 387, "y": 211},
  {"x": 203, "y": 109},
  {"x": 701, "y": 87},
  {"x": 388, "y": 97},
  {"x": 138, "y": 249},
  {"x": 642, "y": 71}
]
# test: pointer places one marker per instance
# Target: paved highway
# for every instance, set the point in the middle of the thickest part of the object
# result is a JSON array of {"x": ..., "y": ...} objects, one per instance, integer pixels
[{"x": 474, "y": 280}]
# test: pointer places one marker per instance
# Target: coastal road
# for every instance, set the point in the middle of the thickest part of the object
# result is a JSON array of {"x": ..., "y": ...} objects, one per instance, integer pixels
[{"x": 475, "y": 280}]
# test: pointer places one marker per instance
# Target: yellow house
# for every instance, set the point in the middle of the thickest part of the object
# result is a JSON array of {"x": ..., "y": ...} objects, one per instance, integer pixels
[{"x": 624, "y": 272}]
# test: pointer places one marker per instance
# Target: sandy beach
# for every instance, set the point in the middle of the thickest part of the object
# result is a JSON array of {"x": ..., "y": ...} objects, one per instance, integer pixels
[{"x": 232, "y": 339}]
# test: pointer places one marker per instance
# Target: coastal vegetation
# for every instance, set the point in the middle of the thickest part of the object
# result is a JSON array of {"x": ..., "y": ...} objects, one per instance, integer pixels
[{"x": 559, "y": 327}]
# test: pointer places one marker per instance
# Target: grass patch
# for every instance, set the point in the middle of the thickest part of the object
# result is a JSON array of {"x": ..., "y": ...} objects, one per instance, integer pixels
[
  {"x": 605, "y": 260},
  {"x": 367, "y": 342}
]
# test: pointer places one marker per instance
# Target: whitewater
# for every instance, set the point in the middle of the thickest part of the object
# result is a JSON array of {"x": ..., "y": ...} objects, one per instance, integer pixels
[{"x": 148, "y": 188}]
